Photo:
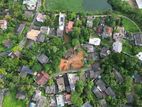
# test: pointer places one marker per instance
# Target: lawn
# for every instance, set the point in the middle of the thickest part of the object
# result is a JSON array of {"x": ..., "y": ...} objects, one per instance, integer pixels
[
  {"x": 129, "y": 26},
  {"x": 71, "y": 5},
  {"x": 77, "y": 5},
  {"x": 11, "y": 101}
]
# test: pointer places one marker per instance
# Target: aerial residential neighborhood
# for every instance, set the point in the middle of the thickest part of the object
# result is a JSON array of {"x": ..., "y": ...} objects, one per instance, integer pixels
[{"x": 71, "y": 53}]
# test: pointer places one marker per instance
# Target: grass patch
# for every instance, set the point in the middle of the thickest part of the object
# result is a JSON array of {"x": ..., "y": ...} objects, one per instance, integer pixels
[
  {"x": 11, "y": 101},
  {"x": 77, "y": 5},
  {"x": 71, "y": 5},
  {"x": 129, "y": 26}
]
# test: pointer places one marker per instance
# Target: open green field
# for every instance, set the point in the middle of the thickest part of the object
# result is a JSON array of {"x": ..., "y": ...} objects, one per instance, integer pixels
[
  {"x": 130, "y": 26},
  {"x": 77, "y": 5},
  {"x": 11, "y": 101}
]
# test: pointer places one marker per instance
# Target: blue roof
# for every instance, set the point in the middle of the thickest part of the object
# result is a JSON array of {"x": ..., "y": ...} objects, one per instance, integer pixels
[
  {"x": 26, "y": 69},
  {"x": 32, "y": 104}
]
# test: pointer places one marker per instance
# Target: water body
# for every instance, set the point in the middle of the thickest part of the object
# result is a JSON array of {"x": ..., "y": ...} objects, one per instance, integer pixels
[{"x": 96, "y": 5}]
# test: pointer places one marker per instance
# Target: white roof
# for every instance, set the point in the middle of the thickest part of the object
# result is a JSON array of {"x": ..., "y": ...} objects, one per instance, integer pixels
[
  {"x": 139, "y": 56},
  {"x": 95, "y": 41},
  {"x": 117, "y": 46},
  {"x": 60, "y": 100},
  {"x": 61, "y": 21},
  {"x": 139, "y": 3}
]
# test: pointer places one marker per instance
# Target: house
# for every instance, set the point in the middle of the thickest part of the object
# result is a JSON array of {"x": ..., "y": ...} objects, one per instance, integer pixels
[
  {"x": 138, "y": 39},
  {"x": 41, "y": 38},
  {"x": 66, "y": 82},
  {"x": 53, "y": 102},
  {"x": 21, "y": 95},
  {"x": 30, "y": 4},
  {"x": 60, "y": 83},
  {"x": 118, "y": 76},
  {"x": 100, "y": 85},
  {"x": 52, "y": 32},
  {"x": 69, "y": 26},
  {"x": 21, "y": 28},
  {"x": 87, "y": 104},
  {"x": 33, "y": 34},
  {"x": 43, "y": 59},
  {"x": 103, "y": 103},
  {"x": 28, "y": 14},
  {"x": 137, "y": 78},
  {"x": 95, "y": 41},
  {"x": 117, "y": 47},
  {"x": 89, "y": 48},
  {"x": 1, "y": 97},
  {"x": 99, "y": 29},
  {"x": 96, "y": 67},
  {"x": 98, "y": 93},
  {"x": 42, "y": 102},
  {"x": 119, "y": 35},
  {"x": 90, "y": 21},
  {"x": 104, "y": 52},
  {"x": 36, "y": 95},
  {"x": 67, "y": 98},
  {"x": 110, "y": 92},
  {"x": 61, "y": 21},
  {"x": 93, "y": 56},
  {"x": 52, "y": 89},
  {"x": 91, "y": 74},
  {"x": 32, "y": 104},
  {"x": 73, "y": 78},
  {"x": 40, "y": 17},
  {"x": 45, "y": 30},
  {"x": 60, "y": 100},
  {"x": 107, "y": 32},
  {"x": 3, "y": 24},
  {"x": 25, "y": 70},
  {"x": 16, "y": 54},
  {"x": 60, "y": 32},
  {"x": 139, "y": 56},
  {"x": 130, "y": 98},
  {"x": 139, "y": 3},
  {"x": 7, "y": 43},
  {"x": 42, "y": 78}
]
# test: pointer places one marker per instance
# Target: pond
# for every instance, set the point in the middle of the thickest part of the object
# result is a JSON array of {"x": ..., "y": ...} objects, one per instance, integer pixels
[{"x": 96, "y": 5}]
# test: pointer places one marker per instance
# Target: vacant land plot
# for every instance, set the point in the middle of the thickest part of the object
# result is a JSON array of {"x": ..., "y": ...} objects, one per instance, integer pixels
[
  {"x": 78, "y": 5},
  {"x": 11, "y": 101}
]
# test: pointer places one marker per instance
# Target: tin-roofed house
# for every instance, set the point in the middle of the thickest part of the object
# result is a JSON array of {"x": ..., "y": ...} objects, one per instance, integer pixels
[
  {"x": 138, "y": 39},
  {"x": 43, "y": 59},
  {"x": 98, "y": 93},
  {"x": 25, "y": 70},
  {"x": 73, "y": 78},
  {"x": 110, "y": 92},
  {"x": 21, "y": 28},
  {"x": 60, "y": 100},
  {"x": 87, "y": 104},
  {"x": 60, "y": 83}
]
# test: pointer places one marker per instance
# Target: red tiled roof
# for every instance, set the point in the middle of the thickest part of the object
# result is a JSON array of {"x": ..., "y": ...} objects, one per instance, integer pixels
[
  {"x": 69, "y": 26},
  {"x": 108, "y": 29},
  {"x": 42, "y": 78}
]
